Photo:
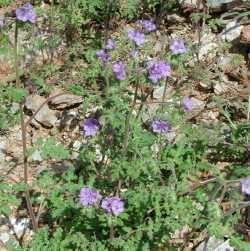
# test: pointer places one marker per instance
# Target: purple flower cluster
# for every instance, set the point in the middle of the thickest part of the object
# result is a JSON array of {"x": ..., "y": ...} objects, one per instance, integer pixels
[
  {"x": 187, "y": 104},
  {"x": 26, "y": 13},
  {"x": 91, "y": 127},
  {"x": 103, "y": 55},
  {"x": 177, "y": 46},
  {"x": 158, "y": 70},
  {"x": 160, "y": 126},
  {"x": 110, "y": 44},
  {"x": 136, "y": 36},
  {"x": 1, "y": 21},
  {"x": 245, "y": 185},
  {"x": 119, "y": 70},
  {"x": 148, "y": 25},
  {"x": 91, "y": 197},
  {"x": 113, "y": 205}
]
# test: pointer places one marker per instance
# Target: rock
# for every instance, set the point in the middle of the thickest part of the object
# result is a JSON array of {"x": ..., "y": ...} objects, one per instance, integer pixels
[
  {"x": 4, "y": 237},
  {"x": 68, "y": 120},
  {"x": 45, "y": 116},
  {"x": 158, "y": 93},
  {"x": 36, "y": 156},
  {"x": 208, "y": 45},
  {"x": 66, "y": 100},
  {"x": 197, "y": 104},
  {"x": 19, "y": 226},
  {"x": 77, "y": 145},
  {"x": 217, "y": 4},
  {"x": 2, "y": 150},
  {"x": 220, "y": 88},
  {"x": 232, "y": 31},
  {"x": 215, "y": 245},
  {"x": 231, "y": 62},
  {"x": 174, "y": 18},
  {"x": 14, "y": 107},
  {"x": 214, "y": 5},
  {"x": 245, "y": 35}
]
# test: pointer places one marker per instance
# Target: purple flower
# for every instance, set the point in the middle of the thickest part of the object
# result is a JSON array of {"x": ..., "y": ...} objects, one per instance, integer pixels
[
  {"x": 187, "y": 104},
  {"x": 160, "y": 126},
  {"x": 177, "y": 46},
  {"x": 110, "y": 44},
  {"x": 134, "y": 53},
  {"x": 245, "y": 185},
  {"x": 119, "y": 70},
  {"x": 158, "y": 70},
  {"x": 148, "y": 25},
  {"x": 113, "y": 205},
  {"x": 104, "y": 56},
  {"x": 91, "y": 127},
  {"x": 26, "y": 13},
  {"x": 89, "y": 196},
  {"x": 1, "y": 21},
  {"x": 136, "y": 36}
]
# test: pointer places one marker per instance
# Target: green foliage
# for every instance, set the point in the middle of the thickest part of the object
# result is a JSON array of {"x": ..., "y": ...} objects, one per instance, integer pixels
[
  {"x": 159, "y": 177},
  {"x": 50, "y": 149}
]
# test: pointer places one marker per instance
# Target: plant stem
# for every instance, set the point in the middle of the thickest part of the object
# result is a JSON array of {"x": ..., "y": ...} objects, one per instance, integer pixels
[
  {"x": 164, "y": 94},
  {"x": 127, "y": 122},
  {"x": 24, "y": 139},
  {"x": 16, "y": 56},
  {"x": 126, "y": 133},
  {"x": 111, "y": 229}
]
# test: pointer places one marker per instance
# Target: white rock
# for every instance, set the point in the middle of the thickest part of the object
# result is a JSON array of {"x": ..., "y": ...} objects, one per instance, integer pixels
[
  {"x": 208, "y": 45},
  {"x": 232, "y": 31},
  {"x": 220, "y": 88},
  {"x": 36, "y": 156},
  {"x": 4, "y": 237},
  {"x": 215, "y": 245},
  {"x": 19, "y": 225},
  {"x": 15, "y": 107},
  {"x": 2, "y": 150},
  {"x": 76, "y": 146}
]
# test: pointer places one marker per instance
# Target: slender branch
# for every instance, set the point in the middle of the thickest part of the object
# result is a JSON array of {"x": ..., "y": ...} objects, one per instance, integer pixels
[
  {"x": 241, "y": 206},
  {"x": 127, "y": 123},
  {"x": 164, "y": 94},
  {"x": 24, "y": 140}
]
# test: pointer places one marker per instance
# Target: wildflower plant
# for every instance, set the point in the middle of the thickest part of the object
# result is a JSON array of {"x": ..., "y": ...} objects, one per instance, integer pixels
[{"x": 139, "y": 176}]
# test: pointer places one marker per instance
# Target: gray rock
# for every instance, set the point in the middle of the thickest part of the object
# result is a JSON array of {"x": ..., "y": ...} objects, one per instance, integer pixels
[
  {"x": 197, "y": 104},
  {"x": 214, "y": 244},
  {"x": 175, "y": 18},
  {"x": 217, "y": 3},
  {"x": 45, "y": 116},
  {"x": 232, "y": 31},
  {"x": 66, "y": 100}
]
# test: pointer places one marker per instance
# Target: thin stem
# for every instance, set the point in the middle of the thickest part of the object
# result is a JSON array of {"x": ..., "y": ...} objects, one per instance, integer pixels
[
  {"x": 126, "y": 133},
  {"x": 24, "y": 139},
  {"x": 164, "y": 94},
  {"x": 16, "y": 57},
  {"x": 111, "y": 230},
  {"x": 127, "y": 123}
]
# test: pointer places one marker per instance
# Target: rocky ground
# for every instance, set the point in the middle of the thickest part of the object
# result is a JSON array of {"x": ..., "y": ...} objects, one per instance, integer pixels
[{"x": 228, "y": 77}]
